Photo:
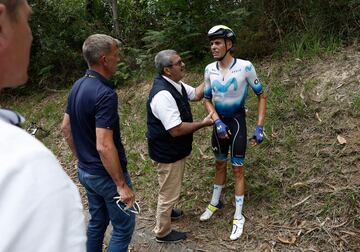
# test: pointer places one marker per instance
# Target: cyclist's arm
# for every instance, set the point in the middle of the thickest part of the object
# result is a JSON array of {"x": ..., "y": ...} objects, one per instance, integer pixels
[
  {"x": 256, "y": 86},
  {"x": 211, "y": 109},
  {"x": 261, "y": 108},
  {"x": 66, "y": 129}
]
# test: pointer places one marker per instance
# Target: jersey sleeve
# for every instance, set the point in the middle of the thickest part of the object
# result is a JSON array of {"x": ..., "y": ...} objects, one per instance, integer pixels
[
  {"x": 106, "y": 111},
  {"x": 252, "y": 79},
  {"x": 207, "y": 86}
]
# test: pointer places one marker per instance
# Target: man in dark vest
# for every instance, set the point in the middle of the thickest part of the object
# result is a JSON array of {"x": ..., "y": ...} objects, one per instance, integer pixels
[{"x": 170, "y": 128}]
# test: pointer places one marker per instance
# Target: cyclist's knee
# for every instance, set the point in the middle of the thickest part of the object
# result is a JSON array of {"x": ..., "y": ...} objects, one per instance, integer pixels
[
  {"x": 221, "y": 165},
  {"x": 238, "y": 171}
]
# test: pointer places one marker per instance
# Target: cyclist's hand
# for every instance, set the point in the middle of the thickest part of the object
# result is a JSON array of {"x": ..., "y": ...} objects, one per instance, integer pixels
[
  {"x": 221, "y": 129},
  {"x": 258, "y": 135}
]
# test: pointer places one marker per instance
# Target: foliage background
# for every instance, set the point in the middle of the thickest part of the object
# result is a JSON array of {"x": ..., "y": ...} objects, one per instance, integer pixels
[
  {"x": 272, "y": 27},
  {"x": 302, "y": 185}
]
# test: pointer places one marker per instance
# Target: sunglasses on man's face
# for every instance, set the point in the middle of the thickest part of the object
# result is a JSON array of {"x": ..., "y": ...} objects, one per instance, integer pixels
[{"x": 135, "y": 209}]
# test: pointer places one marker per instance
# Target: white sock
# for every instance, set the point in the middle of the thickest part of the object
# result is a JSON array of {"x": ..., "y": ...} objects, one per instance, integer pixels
[
  {"x": 216, "y": 194},
  {"x": 239, "y": 201}
]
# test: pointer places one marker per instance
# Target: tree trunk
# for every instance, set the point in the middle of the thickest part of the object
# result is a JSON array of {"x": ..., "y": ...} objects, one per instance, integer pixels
[
  {"x": 114, "y": 8},
  {"x": 90, "y": 8}
]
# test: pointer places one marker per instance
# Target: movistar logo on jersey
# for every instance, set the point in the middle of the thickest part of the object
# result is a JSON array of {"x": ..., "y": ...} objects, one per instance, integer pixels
[
  {"x": 217, "y": 86},
  {"x": 248, "y": 68}
]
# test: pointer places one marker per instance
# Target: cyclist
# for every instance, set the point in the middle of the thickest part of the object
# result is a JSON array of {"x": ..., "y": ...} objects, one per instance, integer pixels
[{"x": 226, "y": 85}]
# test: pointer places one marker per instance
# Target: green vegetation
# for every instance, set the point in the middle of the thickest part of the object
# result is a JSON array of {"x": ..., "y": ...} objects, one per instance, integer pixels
[
  {"x": 297, "y": 28},
  {"x": 356, "y": 104},
  {"x": 297, "y": 174},
  {"x": 301, "y": 181}
]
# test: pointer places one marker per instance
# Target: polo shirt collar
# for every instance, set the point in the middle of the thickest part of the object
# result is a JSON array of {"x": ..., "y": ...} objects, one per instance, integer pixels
[
  {"x": 93, "y": 74},
  {"x": 11, "y": 117}
]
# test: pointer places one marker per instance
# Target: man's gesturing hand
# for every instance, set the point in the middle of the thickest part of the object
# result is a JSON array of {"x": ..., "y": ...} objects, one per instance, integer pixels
[{"x": 208, "y": 121}]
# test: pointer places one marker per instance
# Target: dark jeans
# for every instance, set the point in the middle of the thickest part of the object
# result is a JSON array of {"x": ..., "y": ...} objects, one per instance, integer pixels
[{"x": 102, "y": 207}]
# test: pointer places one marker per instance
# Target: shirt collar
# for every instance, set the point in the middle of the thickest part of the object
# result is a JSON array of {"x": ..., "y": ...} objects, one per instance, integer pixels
[
  {"x": 231, "y": 66},
  {"x": 11, "y": 117},
  {"x": 177, "y": 85},
  {"x": 93, "y": 74}
]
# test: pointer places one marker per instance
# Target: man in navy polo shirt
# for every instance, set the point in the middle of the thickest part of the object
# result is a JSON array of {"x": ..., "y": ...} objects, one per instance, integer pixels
[{"x": 91, "y": 128}]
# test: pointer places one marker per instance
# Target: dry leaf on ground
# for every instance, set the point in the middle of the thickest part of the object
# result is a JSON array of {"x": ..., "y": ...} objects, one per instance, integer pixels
[
  {"x": 341, "y": 139},
  {"x": 290, "y": 240}
]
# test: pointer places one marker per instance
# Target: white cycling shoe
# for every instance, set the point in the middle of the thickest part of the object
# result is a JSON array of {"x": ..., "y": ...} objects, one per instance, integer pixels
[
  {"x": 237, "y": 228},
  {"x": 210, "y": 210}
]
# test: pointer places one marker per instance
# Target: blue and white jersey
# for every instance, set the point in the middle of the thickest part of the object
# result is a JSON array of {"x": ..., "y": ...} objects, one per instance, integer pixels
[{"x": 229, "y": 91}]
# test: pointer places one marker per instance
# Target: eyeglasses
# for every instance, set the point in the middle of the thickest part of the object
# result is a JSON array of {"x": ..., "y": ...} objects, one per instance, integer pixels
[
  {"x": 178, "y": 63},
  {"x": 33, "y": 129},
  {"x": 135, "y": 209}
]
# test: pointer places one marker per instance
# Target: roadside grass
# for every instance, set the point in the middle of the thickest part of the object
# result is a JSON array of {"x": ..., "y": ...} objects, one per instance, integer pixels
[
  {"x": 356, "y": 104},
  {"x": 299, "y": 182},
  {"x": 308, "y": 44}
]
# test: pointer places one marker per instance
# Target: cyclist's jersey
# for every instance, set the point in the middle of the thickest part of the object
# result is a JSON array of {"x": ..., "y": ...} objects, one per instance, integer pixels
[{"x": 228, "y": 92}]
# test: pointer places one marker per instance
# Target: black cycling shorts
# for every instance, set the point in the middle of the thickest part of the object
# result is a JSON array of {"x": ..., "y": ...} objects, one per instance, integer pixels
[{"x": 236, "y": 142}]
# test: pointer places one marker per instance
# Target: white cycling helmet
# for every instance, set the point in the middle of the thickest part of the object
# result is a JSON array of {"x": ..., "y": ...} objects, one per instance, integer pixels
[
  {"x": 221, "y": 31},
  {"x": 224, "y": 32}
]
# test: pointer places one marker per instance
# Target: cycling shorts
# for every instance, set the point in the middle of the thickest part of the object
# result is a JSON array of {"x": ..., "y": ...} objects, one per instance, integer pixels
[{"x": 236, "y": 141}]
